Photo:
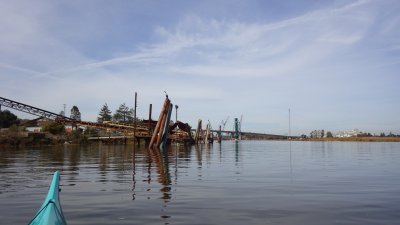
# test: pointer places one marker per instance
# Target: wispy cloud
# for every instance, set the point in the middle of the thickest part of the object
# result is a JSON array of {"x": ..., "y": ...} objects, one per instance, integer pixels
[
  {"x": 211, "y": 66},
  {"x": 208, "y": 47}
]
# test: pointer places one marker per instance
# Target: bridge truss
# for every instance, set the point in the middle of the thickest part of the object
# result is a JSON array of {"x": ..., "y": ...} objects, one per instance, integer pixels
[
  {"x": 66, "y": 120},
  {"x": 31, "y": 110},
  {"x": 142, "y": 129}
]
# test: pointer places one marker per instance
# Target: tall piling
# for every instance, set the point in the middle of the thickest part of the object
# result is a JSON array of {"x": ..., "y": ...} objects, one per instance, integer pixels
[
  {"x": 219, "y": 135},
  {"x": 162, "y": 125},
  {"x": 236, "y": 129},
  {"x": 165, "y": 132},
  {"x": 156, "y": 129},
  {"x": 207, "y": 133},
  {"x": 149, "y": 123},
  {"x": 198, "y": 131},
  {"x": 134, "y": 122}
]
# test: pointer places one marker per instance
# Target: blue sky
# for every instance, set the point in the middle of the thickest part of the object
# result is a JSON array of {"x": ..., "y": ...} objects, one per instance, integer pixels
[{"x": 335, "y": 64}]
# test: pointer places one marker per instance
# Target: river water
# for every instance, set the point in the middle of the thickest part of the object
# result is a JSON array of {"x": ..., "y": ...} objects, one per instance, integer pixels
[{"x": 250, "y": 182}]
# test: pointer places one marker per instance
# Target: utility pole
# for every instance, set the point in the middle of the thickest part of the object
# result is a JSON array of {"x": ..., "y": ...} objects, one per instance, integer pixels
[
  {"x": 134, "y": 122},
  {"x": 289, "y": 126}
]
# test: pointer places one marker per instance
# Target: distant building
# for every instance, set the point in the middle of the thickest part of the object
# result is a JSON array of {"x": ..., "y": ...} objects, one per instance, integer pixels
[
  {"x": 34, "y": 129},
  {"x": 69, "y": 128},
  {"x": 352, "y": 133}
]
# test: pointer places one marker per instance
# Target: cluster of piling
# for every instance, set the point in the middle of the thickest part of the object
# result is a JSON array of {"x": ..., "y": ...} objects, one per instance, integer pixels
[
  {"x": 158, "y": 134},
  {"x": 206, "y": 136},
  {"x": 161, "y": 131}
]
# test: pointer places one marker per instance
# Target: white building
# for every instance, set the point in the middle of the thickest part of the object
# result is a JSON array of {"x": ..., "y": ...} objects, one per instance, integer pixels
[
  {"x": 352, "y": 133},
  {"x": 34, "y": 129}
]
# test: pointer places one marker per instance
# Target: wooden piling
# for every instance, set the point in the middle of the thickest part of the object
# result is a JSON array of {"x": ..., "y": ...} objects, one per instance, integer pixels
[
  {"x": 219, "y": 135},
  {"x": 165, "y": 132},
  {"x": 161, "y": 128},
  {"x": 150, "y": 111},
  {"x": 134, "y": 123},
  {"x": 156, "y": 129},
  {"x": 198, "y": 131},
  {"x": 149, "y": 124},
  {"x": 207, "y": 133}
]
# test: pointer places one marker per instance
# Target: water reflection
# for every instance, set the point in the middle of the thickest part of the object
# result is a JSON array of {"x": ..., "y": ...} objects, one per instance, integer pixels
[
  {"x": 134, "y": 174},
  {"x": 224, "y": 183},
  {"x": 236, "y": 151},
  {"x": 160, "y": 158},
  {"x": 291, "y": 165}
]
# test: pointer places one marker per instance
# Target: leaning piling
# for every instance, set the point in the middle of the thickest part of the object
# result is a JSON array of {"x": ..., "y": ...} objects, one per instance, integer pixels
[{"x": 156, "y": 132}]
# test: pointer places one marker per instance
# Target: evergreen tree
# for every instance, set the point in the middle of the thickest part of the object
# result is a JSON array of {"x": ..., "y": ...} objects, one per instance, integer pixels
[
  {"x": 329, "y": 134},
  {"x": 123, "y": 114},
  {"x": 104, "y": 114},
  {"x": 75, "y": 114}
]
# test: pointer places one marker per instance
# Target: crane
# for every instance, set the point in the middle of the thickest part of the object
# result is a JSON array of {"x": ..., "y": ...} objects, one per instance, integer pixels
[{"x": 223, "y": 123}]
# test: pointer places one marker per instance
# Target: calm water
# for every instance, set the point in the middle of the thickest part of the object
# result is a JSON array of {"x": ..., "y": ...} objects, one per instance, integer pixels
[{"x": 266, "y": 182}]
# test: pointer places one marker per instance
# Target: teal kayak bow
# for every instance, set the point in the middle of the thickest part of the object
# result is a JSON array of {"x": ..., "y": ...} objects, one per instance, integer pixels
[{"x": 50, "y": 213}]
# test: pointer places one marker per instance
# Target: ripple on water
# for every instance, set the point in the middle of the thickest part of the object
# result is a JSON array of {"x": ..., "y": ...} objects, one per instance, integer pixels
[{"x": 251, "y": 182}]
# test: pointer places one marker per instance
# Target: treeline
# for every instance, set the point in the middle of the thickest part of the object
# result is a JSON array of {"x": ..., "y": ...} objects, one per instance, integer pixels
[
  {"x": 322, "y": 134},
  {"x": 13, "y": 132},
  {"x": 123, "y": 114}
]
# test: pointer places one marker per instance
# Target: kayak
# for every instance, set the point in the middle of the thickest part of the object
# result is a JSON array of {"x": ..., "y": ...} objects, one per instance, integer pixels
[{"x": 50, "y": 213}]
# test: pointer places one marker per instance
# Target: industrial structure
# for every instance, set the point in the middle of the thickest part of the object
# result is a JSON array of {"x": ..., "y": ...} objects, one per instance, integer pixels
[{"x": 155, "y": 133}]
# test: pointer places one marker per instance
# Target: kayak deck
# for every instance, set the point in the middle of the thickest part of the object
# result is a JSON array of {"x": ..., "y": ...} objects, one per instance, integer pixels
[{"x": 50, "y": 213}]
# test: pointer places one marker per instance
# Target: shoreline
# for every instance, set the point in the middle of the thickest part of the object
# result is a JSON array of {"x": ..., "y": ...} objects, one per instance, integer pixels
[{"x": 356, "y": 139}]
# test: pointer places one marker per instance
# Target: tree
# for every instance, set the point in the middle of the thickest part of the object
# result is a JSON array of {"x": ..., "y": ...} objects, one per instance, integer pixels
[
  {"x": 7, "y": 119},
  {"x": 54, "y": 127},
  {"x": 123, "y": 114},
  {"x": 329, "y": 134},
  {"x": 322, "y": 133},
  {"x": 104, "y": 114},
  {"x": 75, "y": 114}
]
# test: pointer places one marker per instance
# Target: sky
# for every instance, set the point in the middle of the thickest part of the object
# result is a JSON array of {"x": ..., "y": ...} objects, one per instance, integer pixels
[{"x": 334, "y": 64}]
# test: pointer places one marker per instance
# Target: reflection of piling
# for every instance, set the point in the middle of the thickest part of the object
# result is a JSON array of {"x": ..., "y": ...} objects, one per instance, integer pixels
[{"x": 157, "y": 130}]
